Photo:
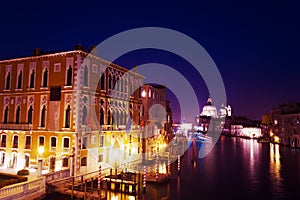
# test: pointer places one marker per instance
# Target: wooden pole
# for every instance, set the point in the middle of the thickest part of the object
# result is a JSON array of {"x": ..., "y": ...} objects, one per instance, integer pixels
[{"x": 144, "y": 180}]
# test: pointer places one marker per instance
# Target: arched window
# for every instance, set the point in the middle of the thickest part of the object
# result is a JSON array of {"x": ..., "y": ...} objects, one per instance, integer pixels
[
  {"x": 31, "y": 84},
  {"x": 114, "y": 83},
  {"x": 5, "y": 115},
  {"x": 109, "y": 81},
  {"x": 117, "y": 117},
  {"x": 113, "y": 117},
  {"x": 124, "y": 85},
  {"x": 121, "y": 118},
  {"x": 85, "y": 76},
  {"x": 101, "y": 116},
  {"x": 125, "y": 117},
  {"x": 117, "y": 84},
  {"x": 20, "y": 76},
  {"x": 18, "y": 115},
  {"x": 67, "y": 117},
  {"x": 29, "y": 116},
  {"x": 43, "y": 116},
  {"x": 45, "y": 78},
  {"x": 7, "y": 86},
  {"x": 102, "y": 82},
  {"x": 108, "y": 117},
  {"x": 69, "y": 76},
  {"x": 84, "y": 114},
  {"x": 65, "y": 162}
]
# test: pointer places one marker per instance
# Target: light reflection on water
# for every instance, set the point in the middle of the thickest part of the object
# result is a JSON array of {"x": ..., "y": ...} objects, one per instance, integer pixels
[
  {"x": 275, "y": 167},
  {"x": 236, "y": 168}
]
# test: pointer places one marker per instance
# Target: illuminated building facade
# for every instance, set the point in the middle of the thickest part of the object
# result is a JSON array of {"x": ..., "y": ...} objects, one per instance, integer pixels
[
  {"x": 53, "y": 102},
  {"x": 156, "y": 119},
  {"x": 282, "y": 124}
]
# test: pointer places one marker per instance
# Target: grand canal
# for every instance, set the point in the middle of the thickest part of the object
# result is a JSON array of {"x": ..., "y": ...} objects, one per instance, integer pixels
[{"x": 236, "y": 168}]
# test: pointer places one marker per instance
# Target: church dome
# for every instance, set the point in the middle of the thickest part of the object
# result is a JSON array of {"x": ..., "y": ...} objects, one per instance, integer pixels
[{"x": 209, "y": 109}]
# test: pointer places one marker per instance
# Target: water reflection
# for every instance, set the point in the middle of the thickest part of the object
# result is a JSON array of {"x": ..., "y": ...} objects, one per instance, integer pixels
[
  {"x": 275, "y": 167},
  {"x": 254, "y": 156}
]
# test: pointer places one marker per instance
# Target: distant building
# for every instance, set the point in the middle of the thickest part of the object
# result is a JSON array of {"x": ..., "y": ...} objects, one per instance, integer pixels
[
  {"x": 282, "y": 124},
  {"x": 156, "y": 118},
  {"x": 210, "y": 118}
]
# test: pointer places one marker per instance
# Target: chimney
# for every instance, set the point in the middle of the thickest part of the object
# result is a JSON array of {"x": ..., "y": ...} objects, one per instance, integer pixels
[
  {"x": 93, "y": 50},
  {"x": 79, "y": 47},
  {"x": 36, "y": 52}
]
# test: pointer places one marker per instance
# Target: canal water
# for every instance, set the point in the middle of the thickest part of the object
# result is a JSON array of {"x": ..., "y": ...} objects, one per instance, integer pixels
[{"x": 236, "y": 168}]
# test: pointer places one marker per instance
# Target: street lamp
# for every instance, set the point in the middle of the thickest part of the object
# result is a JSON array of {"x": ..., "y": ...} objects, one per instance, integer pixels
[{"x": 41, "y": 150}]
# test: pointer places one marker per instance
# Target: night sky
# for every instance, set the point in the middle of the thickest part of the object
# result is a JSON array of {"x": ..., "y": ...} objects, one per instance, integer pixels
[{"x": 255, "y": 45}]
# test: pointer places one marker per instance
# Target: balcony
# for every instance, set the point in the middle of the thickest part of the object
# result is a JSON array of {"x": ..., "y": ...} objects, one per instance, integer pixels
[{"x": 23, "y": 127}]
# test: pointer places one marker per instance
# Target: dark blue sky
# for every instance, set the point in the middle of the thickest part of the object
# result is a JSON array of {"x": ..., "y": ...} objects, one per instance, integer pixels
[{"x": 255, "y": 45}]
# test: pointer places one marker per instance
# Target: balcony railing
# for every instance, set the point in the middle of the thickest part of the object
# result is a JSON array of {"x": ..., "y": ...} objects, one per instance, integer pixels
[{"x": 16, "y": 126}]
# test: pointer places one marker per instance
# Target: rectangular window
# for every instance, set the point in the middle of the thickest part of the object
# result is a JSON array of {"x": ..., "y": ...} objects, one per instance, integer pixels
[
  {"x": 55, "y": 93},
  {"x": 3, "y": 140},
  {"x": 27, "y": 142},
  {"x": 93, "y": 139},
  {"x": 15, "y": 141},
  {"x": 53, "y": 142},
  {"x": 57, "y": 67},
  {"x": 101, "y": 140},
  {"x": 100, "y": 158},
  {"x": 66, "y": 143},
  {"x": 84, "y": 142},
  {"x": 41, "y": 141}
]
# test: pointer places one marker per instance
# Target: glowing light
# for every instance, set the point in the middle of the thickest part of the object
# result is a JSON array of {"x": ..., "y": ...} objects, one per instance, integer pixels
[
  {"x": 276, "y": 139},
  {"x": 114, "y": 198},
  {"x": 271, "y": 133},
  {"x": 144, "y": 93},
  {"x": 41, "y": 150}
]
